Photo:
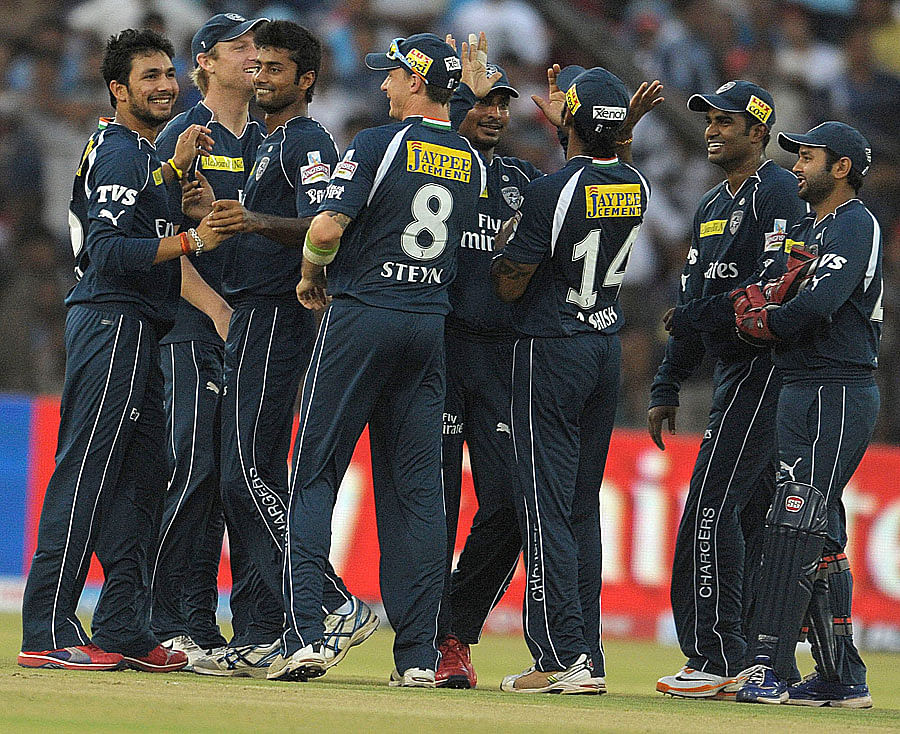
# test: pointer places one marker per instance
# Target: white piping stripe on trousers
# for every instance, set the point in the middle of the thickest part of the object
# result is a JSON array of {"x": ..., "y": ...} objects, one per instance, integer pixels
[
  {"x": 812, "y": 468},
  {"x": 537, "y": 509},
  {"x": 237, "y": 423},
  {"x": 837, "y": 454},
  {"x": 715, "y": 532},
  {"x": 434, "y": 641},
  {"x": 320, "y": 347},
  {"x": 75, "y": 494},
  {"x": 187, "y": 481},
  {"x": 174, "y": 453},
  {"x": 697, "y": 515},
  {"x": 503, "y": 586}
]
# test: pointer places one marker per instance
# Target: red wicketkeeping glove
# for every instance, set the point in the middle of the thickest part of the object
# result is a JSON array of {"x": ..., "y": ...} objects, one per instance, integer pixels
[
  {"x": 753, "y": 326},
  {"x": 743, "y": 299}
]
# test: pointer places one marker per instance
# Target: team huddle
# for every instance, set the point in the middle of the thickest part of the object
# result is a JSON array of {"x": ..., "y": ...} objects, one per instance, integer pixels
[{"x": 440, "y": 294}]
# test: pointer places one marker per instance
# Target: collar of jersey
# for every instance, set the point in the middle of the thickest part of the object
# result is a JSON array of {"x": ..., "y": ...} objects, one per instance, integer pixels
[
  {"x": 435, "y": 124},
  {"x": 106, "y": 122},
  {"x": 817, "y": 222},
  {"x": 598, "y": 161},
  {"x": 213, "y": 118}
]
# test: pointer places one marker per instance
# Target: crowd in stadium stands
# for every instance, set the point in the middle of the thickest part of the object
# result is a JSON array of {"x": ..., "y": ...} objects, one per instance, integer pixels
[{"x": 821, "y": 59}]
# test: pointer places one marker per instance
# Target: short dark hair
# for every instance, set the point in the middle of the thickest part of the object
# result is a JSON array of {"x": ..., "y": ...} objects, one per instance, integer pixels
[
  {"x": 121, "y": 50},
  {"x": 598, "y": 143},
  {"x": 303, "y": 48},
  {"x": 854, "y": 178},
  {"x": 750, "y": 121},
  {"x": 441, "y": 95}
]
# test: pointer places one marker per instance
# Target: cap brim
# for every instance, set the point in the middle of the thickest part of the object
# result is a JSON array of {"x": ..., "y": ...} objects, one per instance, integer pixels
[
  {"x": 568, "y": 75},
  {"x": 791, "y": 142},
  {"x": 704, "y": 102},
  {"x": 381, "y": 62},
  {"x": 505, "y": 88},
  {"x": 240, "y": 30}
]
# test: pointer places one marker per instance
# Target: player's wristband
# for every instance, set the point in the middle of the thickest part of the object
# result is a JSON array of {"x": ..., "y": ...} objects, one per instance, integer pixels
[
  {"x": 627, "y": 141},
  {"x": 317, "y": 255},
  {"x": 185, "y": 243},
  {"x": 197, "y": 241},
  {"x": 176, "y": 170}
]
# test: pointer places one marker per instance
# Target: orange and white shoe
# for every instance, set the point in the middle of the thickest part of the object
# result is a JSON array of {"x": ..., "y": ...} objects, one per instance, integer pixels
[{"x": 690, "y": 683}]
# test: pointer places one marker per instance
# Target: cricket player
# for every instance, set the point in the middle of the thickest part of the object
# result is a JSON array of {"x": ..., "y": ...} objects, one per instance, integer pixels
[
  {"x": 106, "y": 492},
  {"x": 738, "y": 229},
  {"x": 388, "y": 230},
  {"x": 825, "y": 341},
  {"x": 563, "y": 268},
  {"x": 184, "y": 579},
  {"x": 271, "y": 335}
]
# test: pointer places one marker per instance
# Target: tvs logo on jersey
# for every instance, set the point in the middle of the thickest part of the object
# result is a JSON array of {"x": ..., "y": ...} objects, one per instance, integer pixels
[
  {"x": 759, "y": 109},
  {"x": 261, "y": 167},
  {"x": 793, "y": 503},
  {"x": 222, "y": 163},
  {"x": 735, "y": 222},
  {"x": 623, "y": 200},
  {"x": 572, "y": 101},
  {"x": 512, "y": 196},
  {"x": 316, "y": 170},
  {"x": 712, "y": 227},
  {"x": 437, "y": 160},
  {"x": 347, "y": 167},
  {"x": 419, "y": 62}
]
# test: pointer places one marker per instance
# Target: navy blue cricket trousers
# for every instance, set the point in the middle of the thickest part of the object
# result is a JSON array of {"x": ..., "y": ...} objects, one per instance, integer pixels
[
  {"x": 106, "y": 492},
  {"x": 385, "y": 368},
  {"x": 717, "y": 549},
  {"x": 266, "y": 355},
  {"x": 476, "y": 411},
  {"x": 564, "y": 393}
]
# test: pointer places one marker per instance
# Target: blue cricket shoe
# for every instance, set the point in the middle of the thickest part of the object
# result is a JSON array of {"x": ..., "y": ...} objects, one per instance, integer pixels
[
  {"x": 761, "y": 685},
  {"x": 814, "y": 691}
]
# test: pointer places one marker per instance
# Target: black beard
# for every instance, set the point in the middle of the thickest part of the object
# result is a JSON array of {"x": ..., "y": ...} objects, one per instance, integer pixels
[
  {"x": 273, "y": 108},
  {"x": 817, "y": 190},
  {"x": 147, "y": 117}
]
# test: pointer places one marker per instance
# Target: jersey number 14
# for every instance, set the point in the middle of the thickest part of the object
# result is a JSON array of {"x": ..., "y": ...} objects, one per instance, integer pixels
[{"x": 588, "y": 250}]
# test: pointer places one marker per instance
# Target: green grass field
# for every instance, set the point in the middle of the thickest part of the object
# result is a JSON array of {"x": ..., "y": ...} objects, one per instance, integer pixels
[{"x": 354, "y": 697}]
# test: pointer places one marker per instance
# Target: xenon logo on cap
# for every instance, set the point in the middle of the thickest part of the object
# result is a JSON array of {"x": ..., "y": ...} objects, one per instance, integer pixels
[
  {"x": 612, "y": 114},
  {"x": 759, "y": 109},
  {"x": 438, "y": 160},
  {"x": 418, "y": 62},
  {"x": 572, "y": 101},
  {"x": 623, "y": 200},
  {"x": 793, "y": 503}
]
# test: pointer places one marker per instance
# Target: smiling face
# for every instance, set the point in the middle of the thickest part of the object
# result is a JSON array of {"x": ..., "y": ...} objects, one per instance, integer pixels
[
  {"x": 398, "y": 87},
  {"x": 275, "y": 80},
  {"x": 151, "y": 91},
  {"x": 233, "y": 64},
  {"x": 814, "y": 179},
  {"x": 484, "y": 124},
  {"x": 728, "y": 142}
]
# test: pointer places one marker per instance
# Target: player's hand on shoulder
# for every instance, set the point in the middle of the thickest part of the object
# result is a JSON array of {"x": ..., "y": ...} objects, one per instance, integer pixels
[
  {"x": 656, "y": 416},
  {"x": 553, "y": 106},
  {"x": 229, "y": 217},
  {"x": 311, "y": 291},
  {"x": 194, "y": 140},
  {"x": 197, "y": 197}
]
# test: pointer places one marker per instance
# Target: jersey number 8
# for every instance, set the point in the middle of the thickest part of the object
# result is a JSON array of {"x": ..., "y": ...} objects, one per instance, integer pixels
[{"x": 426, "y": 219}]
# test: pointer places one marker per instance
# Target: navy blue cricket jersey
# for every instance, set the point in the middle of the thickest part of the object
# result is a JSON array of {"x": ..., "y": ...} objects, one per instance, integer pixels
[
  {"x": 288, "y": 179},
  {"x": 578, "y": 225},
  {"x": 396, "y": 254},
  {"x": 118, "y": 214},
  {"x": 834, "y": 325},
  {"x": 226, "y": 170},
  {"x": 734, "y": 238}
]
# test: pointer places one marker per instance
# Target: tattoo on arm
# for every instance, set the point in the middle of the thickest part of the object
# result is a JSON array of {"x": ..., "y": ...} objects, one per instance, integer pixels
[
  {"x": 512, "y": 270},
  {"x": 511, "y": 278},
  {"x": 342, "y": 220}
]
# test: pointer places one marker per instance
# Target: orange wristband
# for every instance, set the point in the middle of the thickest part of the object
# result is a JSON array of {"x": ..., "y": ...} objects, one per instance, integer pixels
[{"x": 185, "y": 244}]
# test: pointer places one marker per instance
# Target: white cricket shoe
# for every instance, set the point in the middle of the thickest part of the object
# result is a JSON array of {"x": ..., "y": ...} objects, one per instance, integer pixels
[
  {"x": 691, "y": 683},
  {"x": 412, "y": 678},
  {"x": 343, "y": 631},
  {"x": 307, "y": 662},
  {"x": 190, "y": 648},
  {"x": 577, "y": 678},
  {"x": 246, "y": 661}
]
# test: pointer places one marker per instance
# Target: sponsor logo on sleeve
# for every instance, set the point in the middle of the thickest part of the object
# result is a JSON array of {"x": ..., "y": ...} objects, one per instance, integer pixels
[
  {"x": 623, "y": 200},
  {"x": 438, "y": 160},
  {"x": 347, "y": 167},
  {"x": 759, "y": 109},
  {"x": 775, "y": 239},
  {"x": 712, "y": 227},
  {"x": 314, "y": 173}
]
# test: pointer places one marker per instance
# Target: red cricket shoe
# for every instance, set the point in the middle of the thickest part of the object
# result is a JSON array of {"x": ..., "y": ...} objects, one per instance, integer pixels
[
  {"x": 79, "y": 657},
  {"x": 455, "y": 669},
  {"x": 158, "y": 660}
]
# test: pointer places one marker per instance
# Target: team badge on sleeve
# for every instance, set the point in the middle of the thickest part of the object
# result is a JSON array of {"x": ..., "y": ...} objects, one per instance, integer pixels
[
  {"x": 512, "y": 196},
  {"x": 735, "y": 221},
  {"x": 261, "y": 167}
]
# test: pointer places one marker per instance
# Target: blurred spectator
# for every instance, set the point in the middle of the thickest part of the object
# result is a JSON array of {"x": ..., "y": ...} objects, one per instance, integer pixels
[
  {"x": 514, "y": 29},
  {"x": 684, "y": 53},
  {"x": 884, "y": 28},
  {"x": 801, "y": 57},
  {"x": 106, "y": 17}
]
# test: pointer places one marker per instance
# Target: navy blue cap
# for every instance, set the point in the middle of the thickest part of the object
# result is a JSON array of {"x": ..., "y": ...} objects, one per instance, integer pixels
[
  {"x": 737, "y": 96},
  {"x": 425, "y": 55},
  {"x": 502, "y": 84},
  {"x": 221, "y": 27},
  {"x": 837, "y": 137},
  {"x": 596, "y": 97}
]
